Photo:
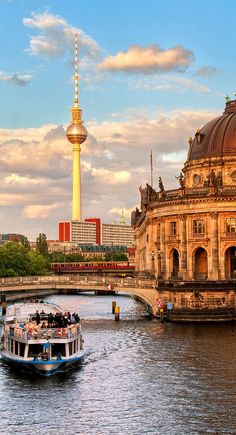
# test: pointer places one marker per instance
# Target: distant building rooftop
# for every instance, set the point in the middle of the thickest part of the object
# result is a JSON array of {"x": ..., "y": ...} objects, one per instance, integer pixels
[{"x": 103, "y": 248}]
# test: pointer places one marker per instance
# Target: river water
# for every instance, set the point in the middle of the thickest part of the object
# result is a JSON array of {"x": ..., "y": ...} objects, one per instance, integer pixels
[{"x": 138, "y": 377}]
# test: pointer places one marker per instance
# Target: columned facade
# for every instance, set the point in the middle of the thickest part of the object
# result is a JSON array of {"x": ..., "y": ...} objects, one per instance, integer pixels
[{"x": 186, "y": 237}]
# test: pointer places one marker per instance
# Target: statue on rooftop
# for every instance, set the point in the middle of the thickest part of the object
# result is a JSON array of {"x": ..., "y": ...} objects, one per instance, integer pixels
[
  {"x": 161, "y": 186},
  {"x": 181, "y": 180}
]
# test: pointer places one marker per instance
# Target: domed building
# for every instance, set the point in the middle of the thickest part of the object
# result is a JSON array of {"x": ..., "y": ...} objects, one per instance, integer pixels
[{"x": 186, "y": 238}]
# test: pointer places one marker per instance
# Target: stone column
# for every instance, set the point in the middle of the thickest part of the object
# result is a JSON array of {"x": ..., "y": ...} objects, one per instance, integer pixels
[
  {"x": 183, "y": 247},
  {"x": 214, "y": 273},
  {"x": 152, "y": 246},
  {"x": 163, "y": 247}
]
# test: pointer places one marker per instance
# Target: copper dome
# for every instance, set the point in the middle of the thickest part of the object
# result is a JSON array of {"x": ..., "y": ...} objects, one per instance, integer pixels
[{"x": 218, "y": 137}]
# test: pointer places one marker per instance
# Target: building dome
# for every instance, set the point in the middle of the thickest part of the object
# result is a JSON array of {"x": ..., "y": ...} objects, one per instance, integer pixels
[
  {"x": 76, "y": 133},
  {"x": 217, "y": 138}
]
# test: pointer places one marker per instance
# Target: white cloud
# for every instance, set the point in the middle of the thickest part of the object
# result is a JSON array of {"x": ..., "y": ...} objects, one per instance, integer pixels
[
  {"x": 38, "y": 211},
  {"x": 107, "y": 176},
  {"x": 149, "y": 59},
  {"x": 18, "y": 180},
  {"x": 118, "y": 211},
  {"x": 56, "y": 37}
]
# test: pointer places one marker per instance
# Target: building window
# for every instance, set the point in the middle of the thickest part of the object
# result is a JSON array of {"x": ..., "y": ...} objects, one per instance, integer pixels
[
  {"x": 230, "y": 225},
  {"x": 199, "y": 226},
  {"x": 173, "y": 228}
]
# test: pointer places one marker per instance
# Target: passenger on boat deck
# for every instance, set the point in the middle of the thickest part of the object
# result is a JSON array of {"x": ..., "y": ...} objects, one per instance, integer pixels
[
  {"x": 42, "y": 312},
  {"x": 77, "y": 319},
  {"x": 44, "y": 326},
  {"x": 65, "y": 319},
  {"x": 50, "y": 320},
  {"x": 37, "y": 317}
]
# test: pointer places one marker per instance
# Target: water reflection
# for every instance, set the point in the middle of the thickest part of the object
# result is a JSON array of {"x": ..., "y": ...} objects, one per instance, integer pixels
[{"x": 139, "y": 376}]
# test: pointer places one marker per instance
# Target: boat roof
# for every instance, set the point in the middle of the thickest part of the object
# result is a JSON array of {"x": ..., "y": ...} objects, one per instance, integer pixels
[{"x": 22, "y": 311}]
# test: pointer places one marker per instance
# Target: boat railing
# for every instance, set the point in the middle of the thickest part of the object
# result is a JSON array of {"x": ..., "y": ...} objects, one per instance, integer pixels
[{"x": 43, "y": 334}]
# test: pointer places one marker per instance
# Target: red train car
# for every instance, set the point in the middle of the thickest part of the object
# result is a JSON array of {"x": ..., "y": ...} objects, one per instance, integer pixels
[{"x": 96, "y": 266}]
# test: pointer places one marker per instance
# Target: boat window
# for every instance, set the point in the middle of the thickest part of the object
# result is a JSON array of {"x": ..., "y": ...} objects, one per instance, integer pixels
[
  {"x": 22, "y": 349},
  {"x": 58, "y": 349},
  {"x": 35, "y": 349},
  {"x": 71, "y": 348},
  {"x": 16, "y": 347},
  {"x": 12, "y": 346}
]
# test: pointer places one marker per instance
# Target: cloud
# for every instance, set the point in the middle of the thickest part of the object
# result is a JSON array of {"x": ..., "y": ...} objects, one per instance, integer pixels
[
  {"x": 56, "y": 37},
  {"x": 169, "y": 83},
  {"x": 116, "y": 211},
  {"x": 206, "y": 71},
  {"x": 15, "y": 78},
  {"x": 36, "y": 167},
  {"x": 18, "y": 180},
  {"x": 165, "y": 130},
  {"x": 38, "y": 211},
  {"x": 149, "y": 60},
  {"x": 106, "y": 176},
  {"x": 8, "y": 199}
]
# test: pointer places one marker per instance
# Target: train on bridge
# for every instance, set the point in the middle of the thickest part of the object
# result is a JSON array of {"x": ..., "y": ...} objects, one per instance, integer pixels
[{"x": 115, "y": 268}]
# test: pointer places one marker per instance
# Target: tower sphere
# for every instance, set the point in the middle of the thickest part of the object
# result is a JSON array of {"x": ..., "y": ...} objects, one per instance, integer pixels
[{"x": 76, "y": 133}]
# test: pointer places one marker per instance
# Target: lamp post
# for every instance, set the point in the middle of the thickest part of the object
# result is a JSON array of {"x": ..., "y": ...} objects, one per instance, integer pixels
[{"x": 153, "y": 263}]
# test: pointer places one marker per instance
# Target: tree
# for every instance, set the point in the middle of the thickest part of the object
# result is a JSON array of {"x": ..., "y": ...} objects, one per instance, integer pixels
[
  {"x": 25, "y": 242},
  {"x": 116, "y": 256},
  {"x": 38, "y": 264},
  {"x": 74, "y": 258},
  {"x": 57, "y": 257},
  {"x": 41, "y": 245},
  {"x": 15, "y": 259}
]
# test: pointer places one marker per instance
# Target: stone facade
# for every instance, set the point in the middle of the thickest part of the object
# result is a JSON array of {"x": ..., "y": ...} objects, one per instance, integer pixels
[{"x": 186, "y": 238}]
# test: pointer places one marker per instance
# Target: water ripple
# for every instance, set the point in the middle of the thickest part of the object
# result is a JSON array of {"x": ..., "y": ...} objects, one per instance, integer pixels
[{"x": 138, "y": 377}]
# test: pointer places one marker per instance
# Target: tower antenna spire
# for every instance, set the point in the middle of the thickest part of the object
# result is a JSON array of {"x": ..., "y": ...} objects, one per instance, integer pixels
[{"x": 76, "y": 72}]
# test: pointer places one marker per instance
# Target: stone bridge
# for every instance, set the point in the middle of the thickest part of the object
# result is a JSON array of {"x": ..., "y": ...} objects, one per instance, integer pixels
[{"x": 38, "y": 286}]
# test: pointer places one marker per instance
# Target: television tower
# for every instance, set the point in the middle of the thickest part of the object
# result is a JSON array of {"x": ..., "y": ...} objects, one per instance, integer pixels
[{"x": 76, "y": 134}]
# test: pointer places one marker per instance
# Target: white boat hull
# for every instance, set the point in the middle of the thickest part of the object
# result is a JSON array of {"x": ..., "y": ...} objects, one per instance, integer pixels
[{"x": 44, "y": 368}]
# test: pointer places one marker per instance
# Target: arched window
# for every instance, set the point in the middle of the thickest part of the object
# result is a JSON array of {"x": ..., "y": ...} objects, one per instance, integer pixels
[
  {"x": 201, "y": 264},
  {"x": 174, "y": 263},
  {"x": 230, "y": 263}
]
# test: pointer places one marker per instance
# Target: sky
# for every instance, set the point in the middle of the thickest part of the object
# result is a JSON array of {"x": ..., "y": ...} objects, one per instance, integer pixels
[{"x": 150, "y": 74}]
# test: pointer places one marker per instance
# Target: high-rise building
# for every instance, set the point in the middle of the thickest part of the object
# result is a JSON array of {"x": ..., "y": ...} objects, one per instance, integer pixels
[
  {"x": 93, "y": 231},
  {"x": 117, "y": 234}
]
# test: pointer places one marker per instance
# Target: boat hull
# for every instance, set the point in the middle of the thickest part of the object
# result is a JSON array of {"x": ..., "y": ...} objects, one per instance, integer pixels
[{"x": 43, "y": 368}]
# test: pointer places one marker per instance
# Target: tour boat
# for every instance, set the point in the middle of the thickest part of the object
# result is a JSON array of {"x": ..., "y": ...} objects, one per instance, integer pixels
[{"x": 38, "y": 337}]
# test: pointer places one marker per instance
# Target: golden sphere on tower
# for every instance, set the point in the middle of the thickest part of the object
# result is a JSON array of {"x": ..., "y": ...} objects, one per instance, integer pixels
[{"x": 76, "y": 133}]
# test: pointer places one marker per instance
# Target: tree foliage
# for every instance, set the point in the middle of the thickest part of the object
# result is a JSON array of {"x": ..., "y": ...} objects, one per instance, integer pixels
[
  {"x": 18, "y": 260},
  {"x": 41, "y": 245},
  {"x": 116, "y": 256}
]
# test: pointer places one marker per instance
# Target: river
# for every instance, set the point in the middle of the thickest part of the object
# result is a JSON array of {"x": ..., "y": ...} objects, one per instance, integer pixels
[{"x": 139, "y": 377}]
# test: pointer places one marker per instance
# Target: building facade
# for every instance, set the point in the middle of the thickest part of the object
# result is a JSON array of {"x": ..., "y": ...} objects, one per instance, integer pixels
[
  {"x": 93, "y": 231},
  {"x": 117, "y": 234},
  {"x": 186, "y": 237}
]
